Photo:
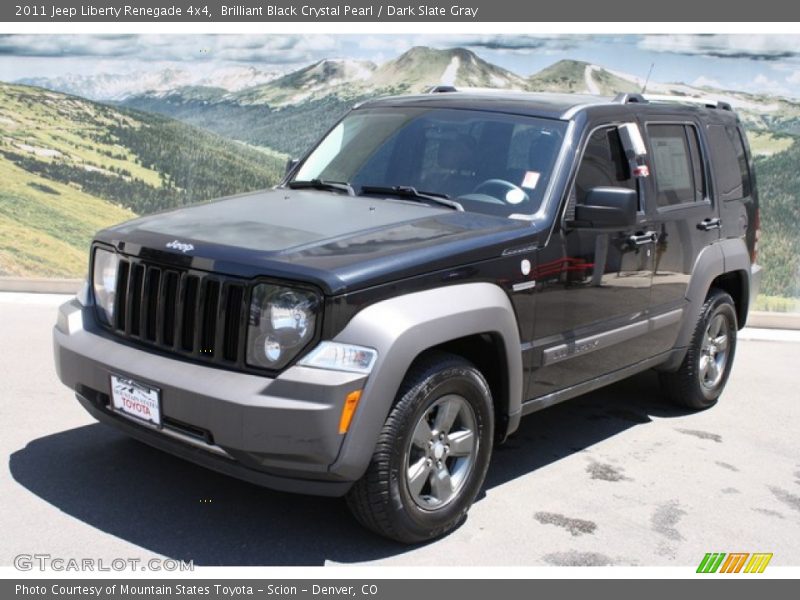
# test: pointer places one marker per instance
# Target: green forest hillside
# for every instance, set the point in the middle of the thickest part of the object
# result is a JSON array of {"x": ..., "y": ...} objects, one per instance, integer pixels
[
  {"x": 290, "y": 129},
  {"x": 69, "y": 167},
  {"x": 779, "y": 247}
]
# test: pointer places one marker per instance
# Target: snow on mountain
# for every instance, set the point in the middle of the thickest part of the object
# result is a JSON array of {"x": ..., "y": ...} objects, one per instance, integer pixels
[
  {"x": 420, "y": 68},
  {"x": 118, "y": 86},
  {"x": 314, "y": 80}
]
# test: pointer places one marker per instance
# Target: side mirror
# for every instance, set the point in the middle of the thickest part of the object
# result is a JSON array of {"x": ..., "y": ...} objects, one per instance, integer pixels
[
  {"x": 607, "y": 208},
  {"x": 290, "y": 165}
]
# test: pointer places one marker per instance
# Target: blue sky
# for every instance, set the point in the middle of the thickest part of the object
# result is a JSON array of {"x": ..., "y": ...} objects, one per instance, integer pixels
[{"x": 753, "y": 63}]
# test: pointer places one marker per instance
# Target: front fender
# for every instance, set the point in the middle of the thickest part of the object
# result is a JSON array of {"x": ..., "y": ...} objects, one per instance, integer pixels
[{"x": 400, "y": 329}]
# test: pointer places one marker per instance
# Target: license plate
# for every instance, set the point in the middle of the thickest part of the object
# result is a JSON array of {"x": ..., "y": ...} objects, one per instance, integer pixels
[{"x": 136, "y": 400}]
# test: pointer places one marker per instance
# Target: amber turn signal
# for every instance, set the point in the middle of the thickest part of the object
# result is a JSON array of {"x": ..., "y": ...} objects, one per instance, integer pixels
[{"x": 348, "y": 410}]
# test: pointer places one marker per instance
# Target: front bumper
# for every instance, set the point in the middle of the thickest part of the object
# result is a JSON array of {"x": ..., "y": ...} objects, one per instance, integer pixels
[{"x": 280, "y": 432}]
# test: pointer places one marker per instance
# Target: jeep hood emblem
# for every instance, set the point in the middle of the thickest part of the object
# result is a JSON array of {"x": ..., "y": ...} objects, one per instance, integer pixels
[{"x": 176, "y": 245}]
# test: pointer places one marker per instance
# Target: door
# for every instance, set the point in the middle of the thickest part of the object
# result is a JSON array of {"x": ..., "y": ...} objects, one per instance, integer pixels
[
  {"x": 593, "y": 286},
  {"x": 734, "y": 192},
  {"x": 683, "y": 215}
]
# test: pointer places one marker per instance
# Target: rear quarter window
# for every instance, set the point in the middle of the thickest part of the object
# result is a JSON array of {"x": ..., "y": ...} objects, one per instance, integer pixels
[{"x": 729, "y": 161}]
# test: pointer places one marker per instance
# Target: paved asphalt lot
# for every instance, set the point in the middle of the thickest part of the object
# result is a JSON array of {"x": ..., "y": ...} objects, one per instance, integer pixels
[{"x": 615, "y": 477}]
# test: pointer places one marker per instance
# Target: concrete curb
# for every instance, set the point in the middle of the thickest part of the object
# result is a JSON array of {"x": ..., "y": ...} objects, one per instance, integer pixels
[
  {"x": 756, "y": 318},
  {"x": 773, "y": 320},
  {"x": 40, "y": 285}
]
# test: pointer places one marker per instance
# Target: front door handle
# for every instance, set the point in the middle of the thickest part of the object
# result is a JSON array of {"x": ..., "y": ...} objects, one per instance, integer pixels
[
  {"x": 643, "y": 238},
  {"x": 709, "y": 224}
]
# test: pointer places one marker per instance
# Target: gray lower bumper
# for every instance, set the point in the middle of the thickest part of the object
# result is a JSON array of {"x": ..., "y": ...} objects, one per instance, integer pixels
[{"x": 281, "y": 433}]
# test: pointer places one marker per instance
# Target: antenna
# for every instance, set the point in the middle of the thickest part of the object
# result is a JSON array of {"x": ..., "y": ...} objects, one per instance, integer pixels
[{"x": 647, "y": 80}]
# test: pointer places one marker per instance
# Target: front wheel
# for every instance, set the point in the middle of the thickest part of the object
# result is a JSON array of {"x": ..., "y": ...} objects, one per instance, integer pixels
[
  {"x": 701, "y": 377},
  {"x": 432, "y": 454}
]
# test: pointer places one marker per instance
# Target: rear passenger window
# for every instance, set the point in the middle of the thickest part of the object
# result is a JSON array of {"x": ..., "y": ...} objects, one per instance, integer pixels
[
  {"x": 678, "y": 166},
  {"x": 732, "y": 174}
]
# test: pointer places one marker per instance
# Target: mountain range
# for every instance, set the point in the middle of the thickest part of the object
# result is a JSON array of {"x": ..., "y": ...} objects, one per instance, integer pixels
[
  {"x": 284, "y": 113},
  {"x": 118, "y": 86},
  {"x": 288, "y": 111},
  {"x": 322, "y": 91},
  {"x": 413, "y": 71}
]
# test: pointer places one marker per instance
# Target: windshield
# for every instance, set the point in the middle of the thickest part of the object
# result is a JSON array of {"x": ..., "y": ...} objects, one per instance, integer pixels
[{"x": 492, "y": 163}]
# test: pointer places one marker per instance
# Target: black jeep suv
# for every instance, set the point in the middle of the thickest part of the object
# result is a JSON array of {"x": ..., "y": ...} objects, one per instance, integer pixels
[{"x": 435, "y": 268}]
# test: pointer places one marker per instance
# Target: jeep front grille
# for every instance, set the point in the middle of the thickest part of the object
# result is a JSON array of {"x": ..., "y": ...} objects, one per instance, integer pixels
[{"x": 190, "y": 313}]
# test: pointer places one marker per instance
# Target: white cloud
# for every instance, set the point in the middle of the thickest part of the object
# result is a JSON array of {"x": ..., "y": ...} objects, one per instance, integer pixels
[
  {"x": 754, "y": 47},
  {"x": 280, "y": 49},
  {"x": 762, "y": 84},
  {"x": 497, "y": 43},
  {"x": 391, "y": 43},
  {"x": 704, "y": 81}
]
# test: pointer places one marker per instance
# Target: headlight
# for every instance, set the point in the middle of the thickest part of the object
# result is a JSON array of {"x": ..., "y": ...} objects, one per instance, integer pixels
[
  {"x": 104, "y": 282},
  {"x": 282, "y": 321}
]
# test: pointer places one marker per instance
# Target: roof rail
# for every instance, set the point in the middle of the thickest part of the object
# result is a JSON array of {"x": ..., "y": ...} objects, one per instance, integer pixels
[
  {"x": 706, "y": 102},
  {"x": 444, "y": 89},
  {"x": 630, "y": 98}
]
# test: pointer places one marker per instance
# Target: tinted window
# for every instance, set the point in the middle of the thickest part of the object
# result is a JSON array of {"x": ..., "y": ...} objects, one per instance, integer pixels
[
  {"x": 677, "y": 165},
  {"x": 700, "y": 187},
  {"x": 603, "y": 164},
  {"x": 489, "y": 162},
  {"x": 728, "y": 157},
  {"x": 741, "y": 157}
]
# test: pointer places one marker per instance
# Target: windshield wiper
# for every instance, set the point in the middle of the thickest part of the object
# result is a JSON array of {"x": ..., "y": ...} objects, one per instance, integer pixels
[
  {"x": 323, "y": 184},
  {"x": 406, "y": 191}
]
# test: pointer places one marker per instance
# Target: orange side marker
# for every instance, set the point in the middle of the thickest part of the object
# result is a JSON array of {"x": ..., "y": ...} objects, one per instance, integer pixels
[{"x": 348, "y": 410}]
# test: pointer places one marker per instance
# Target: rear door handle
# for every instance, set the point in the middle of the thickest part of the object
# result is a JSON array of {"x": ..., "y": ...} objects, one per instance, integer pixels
[
  {"x": 709, "y": 224},
  {"x": 643, "y": 238}
]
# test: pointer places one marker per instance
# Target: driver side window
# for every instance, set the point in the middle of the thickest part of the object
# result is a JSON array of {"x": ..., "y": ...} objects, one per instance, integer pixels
[{"x": 603, "y": 164}]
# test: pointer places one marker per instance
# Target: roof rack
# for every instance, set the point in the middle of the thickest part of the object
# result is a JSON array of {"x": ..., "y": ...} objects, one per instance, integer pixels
[
  {"x": 667, "y": 98},
  {"x": 446, "y": 89},
  {"x": 707, "y": 102}
]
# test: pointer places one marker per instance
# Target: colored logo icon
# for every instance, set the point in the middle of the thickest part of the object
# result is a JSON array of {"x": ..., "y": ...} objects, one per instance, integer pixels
[{"x": 735, "y": 562}]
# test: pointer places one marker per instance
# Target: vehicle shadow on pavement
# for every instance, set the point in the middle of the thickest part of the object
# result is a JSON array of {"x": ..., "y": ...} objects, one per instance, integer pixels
[
  {"x": 182, "y": 511},
  {"x": 576, "y": 425}
]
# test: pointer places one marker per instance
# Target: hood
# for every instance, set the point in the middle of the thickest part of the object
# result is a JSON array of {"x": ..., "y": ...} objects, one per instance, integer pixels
[{"x": 335, "y": 241}]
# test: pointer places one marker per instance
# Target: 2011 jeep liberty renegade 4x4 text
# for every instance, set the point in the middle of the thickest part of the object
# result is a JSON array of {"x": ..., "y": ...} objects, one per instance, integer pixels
[{"x": 435, "y": 268}]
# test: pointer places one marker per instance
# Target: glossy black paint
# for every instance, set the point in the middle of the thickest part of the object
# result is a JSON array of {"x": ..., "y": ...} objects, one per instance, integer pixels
[
  {"x": 358, "y": 250},
  {"x": 336, "y": 242}
]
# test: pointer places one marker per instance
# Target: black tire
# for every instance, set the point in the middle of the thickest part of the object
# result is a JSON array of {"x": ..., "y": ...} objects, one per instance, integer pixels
[
  {"x": 691, "y": 385},
  {"x": 382, "y": 500}
]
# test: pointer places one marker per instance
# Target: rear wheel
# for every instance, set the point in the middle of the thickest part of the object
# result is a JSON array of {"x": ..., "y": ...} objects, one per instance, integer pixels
[
  {"x": 432, "y": 455},
  {"x": 704, "y": 372}
]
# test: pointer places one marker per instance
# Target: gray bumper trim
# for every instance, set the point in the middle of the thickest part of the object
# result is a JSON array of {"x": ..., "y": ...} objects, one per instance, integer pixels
[
  {"x": 211, "y": 460},
  {"x": 284, "y": 428}
]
